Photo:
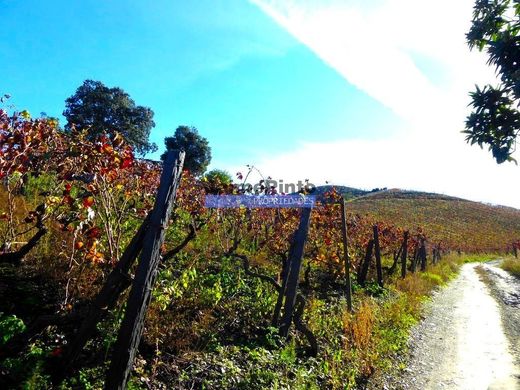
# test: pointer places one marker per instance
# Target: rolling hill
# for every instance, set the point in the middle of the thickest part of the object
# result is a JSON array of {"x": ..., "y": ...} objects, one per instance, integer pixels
[{"x": 458, "y": 223}]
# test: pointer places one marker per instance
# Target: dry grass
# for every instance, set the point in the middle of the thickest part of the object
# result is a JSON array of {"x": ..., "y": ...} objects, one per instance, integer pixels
[
  {"x": 512, "y": 266},
  {"x": 422, "y": 283},
  {"x": 380, "y": 327},
  {"x": 358, "y": 327}
]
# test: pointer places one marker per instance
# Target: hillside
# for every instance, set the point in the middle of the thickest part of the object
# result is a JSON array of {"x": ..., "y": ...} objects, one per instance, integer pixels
[
  {"x": 453, "y": 221},
  {"x": 348, "y": 192}
]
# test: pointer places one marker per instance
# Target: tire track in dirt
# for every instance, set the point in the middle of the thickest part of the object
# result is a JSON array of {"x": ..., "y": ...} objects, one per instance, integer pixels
[{"x": 462, "y": 343}]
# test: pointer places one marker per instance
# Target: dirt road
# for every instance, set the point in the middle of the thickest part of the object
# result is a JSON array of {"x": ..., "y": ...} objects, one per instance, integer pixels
[{"x": 470, "y": 337}]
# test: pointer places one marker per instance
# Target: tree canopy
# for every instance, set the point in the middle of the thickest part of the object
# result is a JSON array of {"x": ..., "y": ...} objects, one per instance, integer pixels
[
  {"x": 495, "y": 120},
  {"x": 219, "y": 175},
  {"x": 198, "y": 151},
  {"x": 97, "y": 109}
]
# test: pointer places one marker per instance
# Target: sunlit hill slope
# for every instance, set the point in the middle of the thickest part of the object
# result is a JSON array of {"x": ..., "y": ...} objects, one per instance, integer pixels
[{"x": 455, "y": 222}]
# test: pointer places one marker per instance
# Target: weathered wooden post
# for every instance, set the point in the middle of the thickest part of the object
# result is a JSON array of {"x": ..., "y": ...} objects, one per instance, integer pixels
[
  {"x": 133, "y": 322},
  {"x": 414, "y": 259},
  {"x": 295, "y": 263},
  {"x": 422, "y": 255},
  {"x": 404, "y": 254},
  {"x": 346, "y": 258},
  {"x": 436, "y": 253},
  {"x": 281, "y": 294},
  {"x": 397, "y": 256},
  {"x": 379, "y": 268},
  {"x": 363, "y": 271}
]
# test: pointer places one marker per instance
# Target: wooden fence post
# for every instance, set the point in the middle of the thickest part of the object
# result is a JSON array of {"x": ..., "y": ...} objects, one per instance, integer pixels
[
  {"x": 133, "y": 322},
  {"x": 436, "y": 253},
  {"x": 295, "y": 263},
  {"x": 414, "y": 259},
  {"x": 362, "y": 274},
  {"x": 281, "y": 294},
  {"x": 397, "y": 256},
  {"x": 379, "y": 268},
  {"x": 422, "y": 255},
  {"x": 348, "y": 290},
  {"x": 404, "y": 254}
]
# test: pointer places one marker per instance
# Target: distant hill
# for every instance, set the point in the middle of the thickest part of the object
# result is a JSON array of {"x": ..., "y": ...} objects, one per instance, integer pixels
[
  {"x": 456, "y": 222},
  {"x": 396, "y": 193},
  {"x": 348, "y": 192}
]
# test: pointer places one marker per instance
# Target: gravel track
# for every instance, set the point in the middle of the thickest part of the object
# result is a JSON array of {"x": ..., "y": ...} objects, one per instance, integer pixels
[{"x": 470, "y": 337}]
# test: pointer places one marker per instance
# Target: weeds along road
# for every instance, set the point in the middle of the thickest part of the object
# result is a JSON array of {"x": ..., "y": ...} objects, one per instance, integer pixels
[{"x": 470, "y": 337}]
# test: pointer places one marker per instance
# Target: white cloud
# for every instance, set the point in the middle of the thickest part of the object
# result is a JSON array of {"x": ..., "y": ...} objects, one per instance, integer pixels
[
  {"x": 349, "y": 41},
  {"x": 399, "y": 163},
  {"x": 373, "y": 47}
]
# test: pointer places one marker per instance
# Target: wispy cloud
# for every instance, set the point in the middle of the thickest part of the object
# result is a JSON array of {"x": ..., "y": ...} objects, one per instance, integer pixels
[
  {"x": 375, "y": 47},
  {"x": 356, "y": 44}
]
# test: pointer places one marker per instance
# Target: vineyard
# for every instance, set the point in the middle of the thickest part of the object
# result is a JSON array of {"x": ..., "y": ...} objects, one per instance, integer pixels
[
  {"x": 232, "y": 304},
  {"x": 453, "y": 222}
]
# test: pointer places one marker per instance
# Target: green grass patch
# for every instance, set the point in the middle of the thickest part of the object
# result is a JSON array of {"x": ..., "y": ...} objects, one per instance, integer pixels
[{"x": 479, "y": 257}]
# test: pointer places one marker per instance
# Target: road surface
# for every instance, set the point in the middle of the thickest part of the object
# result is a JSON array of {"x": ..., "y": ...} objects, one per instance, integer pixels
[{"x": 470, "y": 337}]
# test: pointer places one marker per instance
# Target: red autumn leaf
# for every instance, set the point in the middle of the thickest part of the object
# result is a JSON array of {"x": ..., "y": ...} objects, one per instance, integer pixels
[
  {"x": 126, "y": 163},
  {"x": 93, "y": 232},
  {"x": 88, "y": 201}
]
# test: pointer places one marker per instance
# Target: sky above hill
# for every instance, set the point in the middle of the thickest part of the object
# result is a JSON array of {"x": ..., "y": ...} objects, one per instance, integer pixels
[{"x": 360, "y": 93}]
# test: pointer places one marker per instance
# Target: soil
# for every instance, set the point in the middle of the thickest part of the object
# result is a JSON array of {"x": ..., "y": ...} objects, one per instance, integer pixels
[{"x": 469, "y": 338}]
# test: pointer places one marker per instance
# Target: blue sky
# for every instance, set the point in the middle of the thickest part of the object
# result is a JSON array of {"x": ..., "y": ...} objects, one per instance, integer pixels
[
  {"x": 331, "y": 90},
  {"x": 222, "y": 66}
]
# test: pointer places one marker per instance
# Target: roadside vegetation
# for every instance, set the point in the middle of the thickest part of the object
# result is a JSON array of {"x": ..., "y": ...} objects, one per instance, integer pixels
[{"x": 511, "y": 265}]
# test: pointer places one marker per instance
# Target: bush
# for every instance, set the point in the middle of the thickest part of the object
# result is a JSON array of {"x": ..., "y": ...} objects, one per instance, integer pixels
[{"x": 10, "y": 325}]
